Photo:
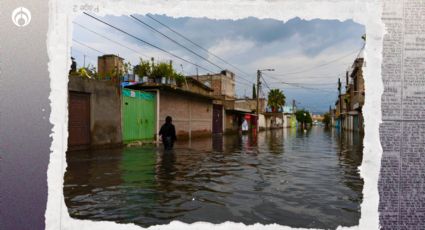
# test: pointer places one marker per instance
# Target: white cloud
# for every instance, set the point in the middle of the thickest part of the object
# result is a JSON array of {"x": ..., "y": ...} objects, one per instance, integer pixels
[
  {"x": 248, "y": 44},
  {"x": 229, "y": 48}
]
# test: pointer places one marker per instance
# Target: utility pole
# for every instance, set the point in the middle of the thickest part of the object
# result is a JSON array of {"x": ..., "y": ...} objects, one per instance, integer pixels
[
  {"x": 258, "y": 99},
  {"x": 258, "y": 95}
]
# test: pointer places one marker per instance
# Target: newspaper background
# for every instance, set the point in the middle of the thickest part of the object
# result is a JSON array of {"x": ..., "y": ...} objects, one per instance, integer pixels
[{"x": 402, "y": 132}]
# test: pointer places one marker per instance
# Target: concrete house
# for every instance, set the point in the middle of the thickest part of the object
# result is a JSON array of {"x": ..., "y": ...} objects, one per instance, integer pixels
[
  {"x": 94, "y": 107},
  {"x": 110, "y": 66},
  {"x": 228, "y": 116},
  {"x": 249, "y": 104},
  {"x": 94, "y": 113},
  {"x": 357, "y": 95},
  {"x": 190, "y": 106},
  {"x": 350, "y": 103},
  {"x": 223, "y": 86}
]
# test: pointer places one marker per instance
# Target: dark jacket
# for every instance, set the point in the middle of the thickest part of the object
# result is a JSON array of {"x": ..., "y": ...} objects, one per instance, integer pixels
[{"x": 168, "y": 130}]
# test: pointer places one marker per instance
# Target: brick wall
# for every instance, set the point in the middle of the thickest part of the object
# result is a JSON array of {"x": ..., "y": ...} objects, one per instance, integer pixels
[
  {"x": 190, "y": 114},
  {"x": 223, "y": 85},
  {"x": 107, "y": 64}
]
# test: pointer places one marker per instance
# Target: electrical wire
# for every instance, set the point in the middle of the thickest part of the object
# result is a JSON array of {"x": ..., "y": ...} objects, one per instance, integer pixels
[
  {"x": 116, "y": 42},
  {"x": 324, "y": 64},
  {"x": 265, "y": 82},
  {"x": 299, "y": 85},
  {"x": 200, "y": 47},
  {"x": 78, "y": 42},
  {"x": 176, "y": 42},
  {"x": 148, "y": 43}
]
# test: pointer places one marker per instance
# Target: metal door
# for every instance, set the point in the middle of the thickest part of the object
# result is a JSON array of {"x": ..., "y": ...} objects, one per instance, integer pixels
[
  {"x": 217, "y": 119},
  {"x": 79, "y": 120},
  {"x": 138, "y": 115}
]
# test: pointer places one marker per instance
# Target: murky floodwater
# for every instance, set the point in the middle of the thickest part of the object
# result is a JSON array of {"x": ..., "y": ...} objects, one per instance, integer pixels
[{"x": 293, "y": 178}]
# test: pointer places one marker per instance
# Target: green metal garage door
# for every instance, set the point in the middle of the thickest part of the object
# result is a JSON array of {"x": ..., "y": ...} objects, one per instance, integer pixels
[{"x": 138, "y": 115}]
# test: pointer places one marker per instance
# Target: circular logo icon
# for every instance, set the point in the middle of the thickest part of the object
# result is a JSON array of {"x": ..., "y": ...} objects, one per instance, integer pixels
[{"x": 21, "y": 16}]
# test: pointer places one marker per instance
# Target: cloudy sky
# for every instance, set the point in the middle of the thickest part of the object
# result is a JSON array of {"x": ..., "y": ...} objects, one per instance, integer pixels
[{"x": 307, "y": 56}]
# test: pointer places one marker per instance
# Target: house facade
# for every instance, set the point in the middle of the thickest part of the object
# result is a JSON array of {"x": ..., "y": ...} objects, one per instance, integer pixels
[
  {"x": 110, "y": 66},
  {"x": 227, "y": 116},
  {"x": 348, "y": 112},
  {"x": 190, "y": 106},
  {"x": 94, "y": 113}
]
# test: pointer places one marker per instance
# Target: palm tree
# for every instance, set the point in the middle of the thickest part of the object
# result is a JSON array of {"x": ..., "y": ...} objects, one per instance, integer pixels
[{"x": 276, "y": 99}]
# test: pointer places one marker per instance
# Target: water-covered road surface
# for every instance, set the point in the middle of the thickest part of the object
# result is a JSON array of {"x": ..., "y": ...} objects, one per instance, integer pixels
[{"x": 288, "y": 177}]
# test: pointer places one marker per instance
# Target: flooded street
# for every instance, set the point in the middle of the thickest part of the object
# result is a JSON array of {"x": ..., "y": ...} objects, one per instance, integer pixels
[{"x": 288, "y": 177}]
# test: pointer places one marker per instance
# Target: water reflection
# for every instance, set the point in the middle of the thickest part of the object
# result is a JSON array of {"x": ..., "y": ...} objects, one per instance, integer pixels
[{"x": 289, "y": 177}]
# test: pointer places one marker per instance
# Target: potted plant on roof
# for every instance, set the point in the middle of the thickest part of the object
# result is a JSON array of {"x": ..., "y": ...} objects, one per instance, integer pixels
[
  {"x": 179, "y": 78},
  {"x": 86, "y": 72},
  {"x": 143, "y": 69},
  {"x": 162, "y": 70}
]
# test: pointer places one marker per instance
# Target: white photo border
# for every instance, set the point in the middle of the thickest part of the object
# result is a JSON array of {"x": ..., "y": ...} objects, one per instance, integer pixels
[{"x": 62, "y": 13}]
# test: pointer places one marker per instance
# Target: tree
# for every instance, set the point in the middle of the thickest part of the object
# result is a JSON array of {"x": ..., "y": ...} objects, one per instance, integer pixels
[
  {"x": 126, "y": 68},
  {"x": 119, "y": 71},
  {"x": 86, "y": 72},
  {"x": 143, "y": 69},
  {"x": 303, "y": 116},
  {"x": 276, "y": 99},
  {"x": 156, "y": 71},
  {"x": 254, "y": 92},
  {"x": 327, "y": 119},
  {"x": 180, "y": 79},
  {"x": 162, "y": 70}
]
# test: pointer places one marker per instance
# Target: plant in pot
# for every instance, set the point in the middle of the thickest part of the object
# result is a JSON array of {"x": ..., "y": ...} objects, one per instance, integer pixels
[
  {"x": 179, "y": 78},
  {"x": 143, "y": 69},
  {"x": 162, "y": 70}
]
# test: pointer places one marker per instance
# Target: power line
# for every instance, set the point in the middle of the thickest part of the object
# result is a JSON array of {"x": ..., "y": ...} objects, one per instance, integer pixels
[
  {"x": 200, "y": 47},
  {"x": 308, "y": 83},
  {"x": 176, "y": 42},
  {"x": 78, "y": 42},
  {"x": 139, "y": 39},
  {"x": 265, "y": 82},
  {"x": 73, "y": 49},
  {"x": 118, "y": 43},
  {"x": 243, "y": 83},
  {"x": 308, "y": 76},
  {"x": 324, "y": 64},
  {"x": 82, "y": 44},
  {"x": 364, "y": 44},
  {"x": 92, "y": 57},
  {"x": 299, "y": 85}
]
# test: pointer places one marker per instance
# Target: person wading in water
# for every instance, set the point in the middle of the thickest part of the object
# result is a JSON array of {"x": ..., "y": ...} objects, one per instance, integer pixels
[{"x": 168, "y": 134}]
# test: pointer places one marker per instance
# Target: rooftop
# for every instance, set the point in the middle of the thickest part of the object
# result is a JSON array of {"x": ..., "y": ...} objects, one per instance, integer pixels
[{"x": 167, "y": 87}]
